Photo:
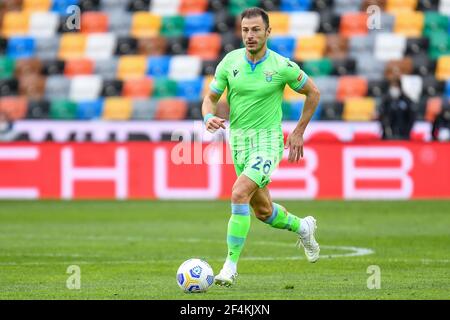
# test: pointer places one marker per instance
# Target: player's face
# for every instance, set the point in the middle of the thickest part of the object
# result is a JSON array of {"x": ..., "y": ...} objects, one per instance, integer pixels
[{"x": 254, "y": 33}]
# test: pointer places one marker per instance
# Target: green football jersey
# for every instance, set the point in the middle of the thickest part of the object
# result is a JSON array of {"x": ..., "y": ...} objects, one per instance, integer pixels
[{"x": 255, "y": 91}]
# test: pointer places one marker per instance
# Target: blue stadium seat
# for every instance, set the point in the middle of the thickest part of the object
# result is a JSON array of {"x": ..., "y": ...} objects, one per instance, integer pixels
[
  {"x": 283, "y": 45},
  {"x": 198, "y": 23},
  {"x": 295, "y": 5},
  {"x": 190, "y": 90},
  {"x": 87, "y": 110},
  {"x": 20, "y": 47},
  {"x": 60, "y": 6},
  {"x": 297, "y": 109},
  {"x": 158, "y": 66},
  {"x": 447, "y": 89}
]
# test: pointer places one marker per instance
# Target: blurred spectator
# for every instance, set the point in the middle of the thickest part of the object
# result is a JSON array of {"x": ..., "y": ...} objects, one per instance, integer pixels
[
  {"x": 441, "y": 125},
  {"x": 397, "y": 115}
]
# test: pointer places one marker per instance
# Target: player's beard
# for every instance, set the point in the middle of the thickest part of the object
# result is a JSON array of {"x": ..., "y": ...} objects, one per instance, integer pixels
[{"x": 258, "y": 49}]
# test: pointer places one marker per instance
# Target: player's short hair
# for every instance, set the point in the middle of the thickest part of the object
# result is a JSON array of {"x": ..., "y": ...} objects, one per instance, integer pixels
[{"x": 256, "y": 12}]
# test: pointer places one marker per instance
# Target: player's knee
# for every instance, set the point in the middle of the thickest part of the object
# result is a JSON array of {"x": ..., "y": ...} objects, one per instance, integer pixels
[
  {"x": 239, "y": 196},
  {"x": 262, "y": 212}
]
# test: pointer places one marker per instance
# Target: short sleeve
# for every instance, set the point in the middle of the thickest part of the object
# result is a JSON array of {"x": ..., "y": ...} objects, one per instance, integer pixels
[
  {"x": 294, "y": 76},
  {"x": 220, "y": 82}
]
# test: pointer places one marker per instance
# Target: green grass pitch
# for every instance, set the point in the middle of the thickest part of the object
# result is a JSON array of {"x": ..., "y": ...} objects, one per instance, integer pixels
[{"x": 132, "y": 249}]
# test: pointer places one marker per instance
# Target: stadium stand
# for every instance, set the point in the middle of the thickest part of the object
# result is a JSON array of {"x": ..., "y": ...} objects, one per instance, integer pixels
[{"x": 153, "y": 59}]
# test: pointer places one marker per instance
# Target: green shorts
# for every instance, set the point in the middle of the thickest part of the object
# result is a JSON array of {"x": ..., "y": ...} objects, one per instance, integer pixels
[{"x": 257, "y": 158}]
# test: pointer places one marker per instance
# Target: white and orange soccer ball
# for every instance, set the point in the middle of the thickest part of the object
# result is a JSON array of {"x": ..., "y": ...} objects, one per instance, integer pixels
[{"x": 195, "y": 275}]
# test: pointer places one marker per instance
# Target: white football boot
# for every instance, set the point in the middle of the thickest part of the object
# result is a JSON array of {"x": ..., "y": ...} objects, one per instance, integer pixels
[
  {"x": 225, "y": 278},
  {"x": 307, "y": 240}
]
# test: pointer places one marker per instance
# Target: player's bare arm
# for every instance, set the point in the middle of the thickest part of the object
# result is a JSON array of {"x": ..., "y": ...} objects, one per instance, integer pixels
[
  {"x": 295, "y": 139},
  {"x": 209, "y": 108}
]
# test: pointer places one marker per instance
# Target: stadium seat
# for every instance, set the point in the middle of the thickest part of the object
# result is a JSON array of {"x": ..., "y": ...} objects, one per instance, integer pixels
[
  {"x": 75, "y": 67},
  {"x": 113, "y": 5},
  {"x": 223, "y": 22},
  {"x": 15, "y": 23},
  {"x": 433, "y": 108},
  {"x": 351, "y": 87},
  {"x": 153, "y": 46},
  {"x": 32, "y": 86},
  {"x": 92, "y": 22},
  {"x": 361, "y": 45},
  {"x": 38, "y": 109},
  {"x": 439, "y": 44},
  {"x": 303, "y": 23},
  {"x": 389, "y": 46},
  {"x": 172, "y": 26},
  {"x": 235, "y": 7},
  {"x": 177, "y": 45},
  {"x": 72, "y": 45},
  {"x": 164, "y": 7},
  {"x": 295, "y": 5},
  {"x": 145, "y": 24},
  {"x": 192, "y": 6},
  {"x": 53, "y": 67},
  {"x": 164, "y": 87},
  {"x": 126, "y": 46},
  {"x": 90, "y": 5},
  {"x": 144, "y": 109},
  {"x": 88, "y": 110},
  {"x": 416, "y": 46},
  {"x": 336, "y": 46},
  {"x": 137, "y": 88},
  {"x": 279, "y": 21},
  {"x": 395, "y": 6},
  {"x": 117, "y": 108},
  {"x": 409, "y": 23},
  {"x": 11, "y": 5},
  {"x": 331, "y": 110},
  {"x": 198, "y": 23},
  {"x": 57, "y": 87},
  {"x": 444, "y": 7},
  {"x": 205, "y": 46},
  {"x": 432, "y": 87},
  {"x": 353, "y": 24},
  {"x": 7, "y": 66},
  {"x": 62, "y": 109},
  {"x": 138, "y": 5},
  {"x": 329, "y": 22},
  {"x": 190, "y": 90},
  {"x": 194, "y": 110},
  {"x": 107, "y": 68},
  {"x": 14, "y": 107},
  {"x": 158, "y": 66},
  {"x": 342, "y": 67},
  {"x": 367, "y": 3},
  {"x": 184, "y": 67},
  {"x": 47, "y": 48},
  {"x": 423, "y": 65},
  {"x": 171, "y": 109},
  {"x": 9, "y": 87},
  {"x": 60, "y": 6},
  {"x": 283, "y": 45},
  {"x": 43, "y": 24},
  {"x": 230, "y": 42},
  {"x": 209, "y": 67},
  {"x": 443, "y": 68},
  {"x": 395, "y": 68},
  {"x": 132, "y": 66},
  {"x": 386, "y": 24},
  {"x": 100, "y": 45},
  {"x": 3, "y": 43},
  {"x": 112, "y": 88},
  {"x": 359, "y": 109},
  {"x": 435, "y": 22},
  {"x": 20, "y": 47},
  {"x": 120, "y": 22},
  {"x": 320, "y": 67},
  {"x": 377, "y": 88},
  {"x": 327, "y": 87},
  {"x": 310, "y": 47},
  {"x": 84, "y": 88}
]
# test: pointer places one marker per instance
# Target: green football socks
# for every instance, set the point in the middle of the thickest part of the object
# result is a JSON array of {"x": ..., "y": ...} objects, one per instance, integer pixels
[
  {"x": 281, "y": 219},
  {"x": 238, "y": 227}
]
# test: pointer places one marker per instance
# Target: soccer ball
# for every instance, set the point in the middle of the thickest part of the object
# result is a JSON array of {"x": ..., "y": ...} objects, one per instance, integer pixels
[{"x": 195, "y": 275}]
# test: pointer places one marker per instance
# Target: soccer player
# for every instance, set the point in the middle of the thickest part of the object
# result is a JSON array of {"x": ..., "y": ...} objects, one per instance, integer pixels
[{"x": 256, "y": 77}]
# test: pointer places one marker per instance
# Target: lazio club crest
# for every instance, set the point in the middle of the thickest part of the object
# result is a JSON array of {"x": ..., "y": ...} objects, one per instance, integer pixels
[{"x": 269, "y": 75}]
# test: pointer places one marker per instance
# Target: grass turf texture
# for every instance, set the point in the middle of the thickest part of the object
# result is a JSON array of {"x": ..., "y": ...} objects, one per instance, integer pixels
[{"x": 131, "y": 250}]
